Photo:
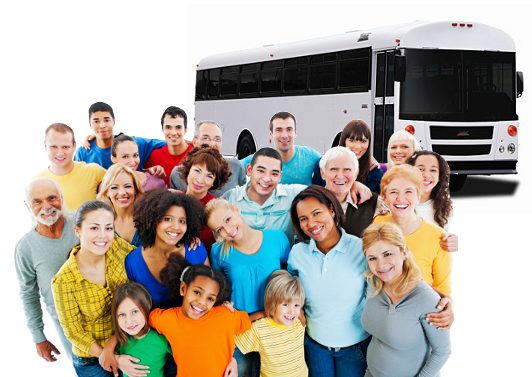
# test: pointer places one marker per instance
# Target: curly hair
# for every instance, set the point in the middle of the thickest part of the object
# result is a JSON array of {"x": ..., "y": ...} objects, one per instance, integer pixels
[
  {"x": 440, "y": 194},
  {"x": 171, "y": 273},
  {"x": 150, "y": 209},
  {"x": 213, "y": 161},
  {"x": 177, "y": 271},
  {"x": 358, "y": 130}
]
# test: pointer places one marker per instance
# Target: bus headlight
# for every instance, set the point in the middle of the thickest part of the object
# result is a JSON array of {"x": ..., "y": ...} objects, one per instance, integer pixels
[{"x": 511, "y": 148}]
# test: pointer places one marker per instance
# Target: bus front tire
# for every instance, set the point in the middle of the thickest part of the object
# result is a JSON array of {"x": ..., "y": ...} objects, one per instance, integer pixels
[
  {"x": 245, "y": 147},
  {"x": 457, "y": 181}
]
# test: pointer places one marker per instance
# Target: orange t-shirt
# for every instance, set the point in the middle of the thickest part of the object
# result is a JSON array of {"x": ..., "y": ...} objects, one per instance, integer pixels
[{"x": 201, "y": 347}]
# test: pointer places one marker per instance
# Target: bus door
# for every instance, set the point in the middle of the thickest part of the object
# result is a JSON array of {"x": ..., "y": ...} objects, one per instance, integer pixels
[{"x": 383, "y": 102}]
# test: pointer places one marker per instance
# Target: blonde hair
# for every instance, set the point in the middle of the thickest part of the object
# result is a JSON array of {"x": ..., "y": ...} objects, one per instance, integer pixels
[
  {"x": 391, "y": 234},
  {"x": 405, "y": 171},
  {"x": 282, "y": 287},
  {"x": 400, "y": 136},
  {"x": 212, "y": 206},
  {"x": 110, "y": 176}
]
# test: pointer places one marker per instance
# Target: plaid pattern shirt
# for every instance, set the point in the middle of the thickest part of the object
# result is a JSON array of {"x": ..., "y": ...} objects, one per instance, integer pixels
[{"x": 84, "y": 307}]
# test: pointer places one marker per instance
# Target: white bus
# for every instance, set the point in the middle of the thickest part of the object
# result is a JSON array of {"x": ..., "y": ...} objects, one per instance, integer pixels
[{"x": 453, "y": 85}]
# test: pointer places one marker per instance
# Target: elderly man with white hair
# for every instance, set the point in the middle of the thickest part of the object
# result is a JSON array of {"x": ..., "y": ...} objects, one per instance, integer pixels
[
  {"x": 39, "y": 255},
  {"x": 339, "y": 169}
]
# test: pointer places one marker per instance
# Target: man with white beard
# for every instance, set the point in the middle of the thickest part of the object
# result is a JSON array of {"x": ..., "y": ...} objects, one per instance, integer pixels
[{"x": 38, "y": 257}]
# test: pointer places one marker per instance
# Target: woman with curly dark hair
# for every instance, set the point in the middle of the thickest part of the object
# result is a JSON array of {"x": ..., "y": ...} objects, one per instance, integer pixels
[
  {"x": 435, "y": 204},
  {"x": 204, "y": 169},
  {"x": 166, "y": 223}
]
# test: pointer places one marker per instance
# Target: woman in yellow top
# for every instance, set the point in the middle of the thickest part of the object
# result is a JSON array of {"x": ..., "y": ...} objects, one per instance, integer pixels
[
  {"x": 401, "y": 188},
  {"x": 84, "y": 285}
]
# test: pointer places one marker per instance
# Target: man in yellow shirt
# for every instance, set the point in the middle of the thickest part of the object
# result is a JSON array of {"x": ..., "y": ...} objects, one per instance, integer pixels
[{"x": 78, "y": 180}]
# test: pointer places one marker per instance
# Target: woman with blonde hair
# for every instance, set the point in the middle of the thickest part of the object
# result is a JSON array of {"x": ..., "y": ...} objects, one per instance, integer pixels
[
  {"x": 120, "y": 188},
  {"x": 402, "y": 344},
  {"x": 401, "y": 145},
  {"x": 401, "y": 188},
  {"x": 246, "y": 257}
]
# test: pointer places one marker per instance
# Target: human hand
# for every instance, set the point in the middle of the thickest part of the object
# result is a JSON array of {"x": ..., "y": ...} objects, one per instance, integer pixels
[
  {"x": 360, "y": 192},
  {"x": 156, "y": 171},
  {"x": 449, "y": 242},
  {"x": 128, "y": 365},
  {"x": 231, "y": 370},
  {"x": 87, "y": 142},
  {"x": 46, "y": 350},
  {"x": 229, "y": 305},
  {"x": 373, "y": 163},
  {"x": 445, "y": 318}
]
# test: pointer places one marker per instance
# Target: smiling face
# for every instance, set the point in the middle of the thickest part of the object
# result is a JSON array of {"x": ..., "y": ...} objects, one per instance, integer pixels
[
  {"x": 199, "y": 296},
  {"x": 60, "y": 148},
  {"x": 430, "y": 170},
  {"x": 97, "y": 232},
  {"x": 385, "y": 261},
  {"x": 316, "y": 220},
  {"x": 283, "y": 134},
  {"x": 209, "y": 134},
  {"x": 226, "y": 223},
  {"x": 339, "y": 175},
  {"x": 264, "y": 176},
  {"x": 199, "y": 180},
  {"x": 287, "y": 312},
  {"x": 172, "y": 227},
  {"x": 121, "y": 191},
  {"x": 359, "y": 145},
  {"x": 102, "y": 124},
  {"x": 174, "y": 130},
  {"x": 130, "y": 317},
  {"x": 127, "y": 153},
  {"x": 400, "y": 151},
  {"x": 45, "y": 203},
  {"x": 401, "y": 197}
]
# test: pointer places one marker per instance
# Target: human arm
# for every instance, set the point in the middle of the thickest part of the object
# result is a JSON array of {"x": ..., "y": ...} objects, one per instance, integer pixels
[
  {"x": 127, "y": 364},
  {"x": 444, "y": 318},
  {"x": 87, "y": 143},
  {"x": 231, "y": 370},
  {"x": 360, "y": 192},
  {"x": 449, "y": 242},
  {"x": 441, "y": 271},
  {"x": 440, "y": 349},
  {"x": 373, "y": 163},
  {"x": 316, "y": 175},
  {"x": 46, "y": 350},
  {"x": 146, "y": 147},
  {"x": 257, "y": 315},
  {"x": 156, "y": 171}
]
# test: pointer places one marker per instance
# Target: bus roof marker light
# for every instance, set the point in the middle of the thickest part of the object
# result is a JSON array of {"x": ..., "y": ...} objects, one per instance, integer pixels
[
  {"x": 469, "y": 25},
  {"x": 454, "y": 24},
  {"x": 410, "y": 129},
  {"x": 512, "y": 130},
  {"x": 462, "y": 24}
]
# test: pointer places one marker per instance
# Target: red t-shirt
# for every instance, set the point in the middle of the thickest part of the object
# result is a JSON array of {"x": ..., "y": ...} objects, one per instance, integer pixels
[{"x": 168, "y": 161}]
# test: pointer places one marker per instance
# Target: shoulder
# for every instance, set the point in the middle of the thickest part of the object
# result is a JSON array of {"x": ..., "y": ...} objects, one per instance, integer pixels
[
  {"x": 66, "y": 274},
  {"x": 382, "y": 219},
  {"x": 431, "y": 229},
  {"x": 426, "y": 297},
  {"x": 24, "y": 245}
]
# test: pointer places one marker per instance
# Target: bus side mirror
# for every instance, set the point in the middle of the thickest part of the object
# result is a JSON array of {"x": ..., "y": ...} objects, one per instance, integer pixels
[
  {"x": 399, "y": 68},
  {"x": 520, "y": 83}
]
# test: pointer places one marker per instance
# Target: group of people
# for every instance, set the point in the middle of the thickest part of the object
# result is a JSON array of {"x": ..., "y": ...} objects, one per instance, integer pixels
[{"x": 167, "y": 258}]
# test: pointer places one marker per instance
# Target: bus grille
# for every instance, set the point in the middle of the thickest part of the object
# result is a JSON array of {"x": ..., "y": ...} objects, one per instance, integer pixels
[
  {"x": 461, "y": 133},
  {"x": 461, "y": 150}
]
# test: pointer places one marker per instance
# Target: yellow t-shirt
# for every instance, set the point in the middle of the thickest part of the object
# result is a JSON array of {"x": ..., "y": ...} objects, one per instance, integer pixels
[
  {"x": 435, "y": 263},
  {"x": 80, "y": 185},
  {"x": 280, "y": 347}
]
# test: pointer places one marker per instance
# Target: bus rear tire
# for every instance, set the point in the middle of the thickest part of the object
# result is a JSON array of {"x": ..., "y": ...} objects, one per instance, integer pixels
[
  {"x": 246, "y": 146},
  {"x": 457, "y": 181}
]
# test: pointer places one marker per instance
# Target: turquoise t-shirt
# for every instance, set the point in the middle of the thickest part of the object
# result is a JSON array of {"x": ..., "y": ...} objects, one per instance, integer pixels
[
  {"x": 299, "y": 169},
  {"x": 151, "y": 350},
  {"x": 248, "y": 273}
]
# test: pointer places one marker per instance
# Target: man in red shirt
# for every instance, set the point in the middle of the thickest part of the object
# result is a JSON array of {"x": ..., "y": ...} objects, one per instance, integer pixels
[{"x": 174, "y": 126}]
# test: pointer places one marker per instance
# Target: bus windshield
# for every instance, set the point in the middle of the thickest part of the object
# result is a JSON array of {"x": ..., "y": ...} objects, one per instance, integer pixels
[{"x": 450, "y": 85}]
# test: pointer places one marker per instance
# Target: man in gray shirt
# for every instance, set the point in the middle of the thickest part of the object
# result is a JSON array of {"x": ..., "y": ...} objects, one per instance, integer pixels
[
  {"x": 209, "y": 133},
  {"x": 39, "y": 255}
]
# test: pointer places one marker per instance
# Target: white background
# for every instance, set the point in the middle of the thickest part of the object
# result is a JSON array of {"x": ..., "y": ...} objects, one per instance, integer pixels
[{"x": 57, "y": 58}]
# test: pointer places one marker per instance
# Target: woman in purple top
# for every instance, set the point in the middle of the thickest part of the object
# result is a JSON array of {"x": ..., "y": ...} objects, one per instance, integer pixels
[
  {"x": 126, "y": 151},
  {"x": 166, "y": 223}
]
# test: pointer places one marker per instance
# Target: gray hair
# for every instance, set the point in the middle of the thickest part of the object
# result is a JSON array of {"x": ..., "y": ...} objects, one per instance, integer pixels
[
  {"x": 39, "y": 180},
  {"x": 337, "y": 152},
  {"x": 196, "y": 129}
]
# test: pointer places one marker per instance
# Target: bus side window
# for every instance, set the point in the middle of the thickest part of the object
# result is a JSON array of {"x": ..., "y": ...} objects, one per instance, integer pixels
[
  {"x": 270, "y": 78},
  {"x": 213, "y": 88}
]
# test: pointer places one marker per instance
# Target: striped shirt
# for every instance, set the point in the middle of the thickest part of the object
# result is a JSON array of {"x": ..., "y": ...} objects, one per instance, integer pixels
[
  {"x": 280, "y": 347},
  {"x": 84, "y": 307}
]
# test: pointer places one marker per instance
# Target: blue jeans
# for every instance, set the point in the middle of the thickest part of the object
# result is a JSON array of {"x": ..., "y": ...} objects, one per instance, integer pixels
[
  {"x": 335, "y": 362},
  {"x": 248, "y": 364},
  {"x": 89, "y": 367}
]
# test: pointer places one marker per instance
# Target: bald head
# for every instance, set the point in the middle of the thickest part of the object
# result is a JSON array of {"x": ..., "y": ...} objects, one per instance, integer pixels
[{"x": 44, "y": 199}]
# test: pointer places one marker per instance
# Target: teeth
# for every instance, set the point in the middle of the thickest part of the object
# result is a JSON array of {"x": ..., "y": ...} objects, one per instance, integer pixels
[
  {"x": 317, "y": 231},
  {"x": 401, "y": 206},
  {"x": 197, "y": 309},
  {"x": 172, "y": 234},
  {"x": 100, "y": 243}
]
